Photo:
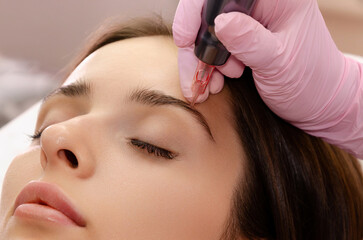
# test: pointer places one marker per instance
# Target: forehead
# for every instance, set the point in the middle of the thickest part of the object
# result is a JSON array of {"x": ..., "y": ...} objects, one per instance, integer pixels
[
  {"x": 118, "y": 68},
  {"x": 149, "y": 62}
]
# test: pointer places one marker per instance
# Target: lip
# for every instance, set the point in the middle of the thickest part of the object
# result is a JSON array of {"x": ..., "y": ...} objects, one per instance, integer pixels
[{"x": 48, "y": 198}]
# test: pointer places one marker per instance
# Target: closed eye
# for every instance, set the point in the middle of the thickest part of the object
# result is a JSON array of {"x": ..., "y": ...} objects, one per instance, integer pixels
[
  {"x": 36, "y": 135},
  {"x": 149, "y": 148},
  {"x": 152, "y": 149}
]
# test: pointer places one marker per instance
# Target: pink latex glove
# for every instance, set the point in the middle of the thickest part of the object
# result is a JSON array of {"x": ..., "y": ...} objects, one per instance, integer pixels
[{"x": 298, "y": 70}]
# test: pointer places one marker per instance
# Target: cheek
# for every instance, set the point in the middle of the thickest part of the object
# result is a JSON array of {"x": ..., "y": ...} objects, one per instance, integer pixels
[
  {"x": 23, "y": 168},
  {"x": 144, "y": 200}
]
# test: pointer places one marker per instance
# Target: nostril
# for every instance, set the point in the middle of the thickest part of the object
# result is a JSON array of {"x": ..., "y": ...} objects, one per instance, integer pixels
[{"x": 71, "y": 158}]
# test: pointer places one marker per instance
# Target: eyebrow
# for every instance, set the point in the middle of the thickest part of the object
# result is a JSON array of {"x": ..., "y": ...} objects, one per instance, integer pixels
[
  {"x": 77, "y": 89},
  {"x": 81, "y": 88}
]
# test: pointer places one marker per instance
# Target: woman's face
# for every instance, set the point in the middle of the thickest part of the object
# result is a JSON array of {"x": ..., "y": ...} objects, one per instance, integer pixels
[{"x": 134, "y": 160}]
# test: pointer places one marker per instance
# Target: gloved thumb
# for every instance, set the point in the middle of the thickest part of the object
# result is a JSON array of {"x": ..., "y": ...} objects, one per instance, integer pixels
[{"x": 247, "y": 40}]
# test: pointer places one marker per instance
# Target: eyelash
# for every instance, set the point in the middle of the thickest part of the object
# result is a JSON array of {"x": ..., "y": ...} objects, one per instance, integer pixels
[
  {"x": 151, "y": 149},
  {"x": 36, "y": 135}
]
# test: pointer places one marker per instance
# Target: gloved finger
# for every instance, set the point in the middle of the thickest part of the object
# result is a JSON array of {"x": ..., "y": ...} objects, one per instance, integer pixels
[
  {"x": 267, "y": 12},
  {"x": 187, "y": 63},
  {"x": 216, "y": 82},
  {"x": 187, "y": 22},
  {"x": 204, "y": 96},
  {"x": 233, "y": 68},
  {"x": 248, "y": 41},
  {"x": 215, "y": 86}
]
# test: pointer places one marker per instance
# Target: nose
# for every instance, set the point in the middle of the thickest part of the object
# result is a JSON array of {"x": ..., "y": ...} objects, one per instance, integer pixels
[{"x": 64, "y": 148}]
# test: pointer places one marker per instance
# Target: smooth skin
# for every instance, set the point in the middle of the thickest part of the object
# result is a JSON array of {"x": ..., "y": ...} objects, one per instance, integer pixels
[{"x": 123, "y": 191}]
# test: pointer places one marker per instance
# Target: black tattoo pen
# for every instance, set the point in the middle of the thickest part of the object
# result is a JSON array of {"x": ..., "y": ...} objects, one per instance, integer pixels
[{"x": 208, "y": 48}]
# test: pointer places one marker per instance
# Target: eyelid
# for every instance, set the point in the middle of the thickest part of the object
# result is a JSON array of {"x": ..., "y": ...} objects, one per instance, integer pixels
[
  {"x": 64, "y": 105},
  {"x": 55, "y": 111},
  {"x": 36, "y": 135},
  {"x": 153, "y": 149}
]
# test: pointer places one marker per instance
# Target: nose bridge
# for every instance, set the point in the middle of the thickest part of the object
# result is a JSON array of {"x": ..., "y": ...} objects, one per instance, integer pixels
[{"x": 66, "y": 148}]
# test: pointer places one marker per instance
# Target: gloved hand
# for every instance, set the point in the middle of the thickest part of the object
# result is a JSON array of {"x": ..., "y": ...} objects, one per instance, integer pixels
[{"x": 298, "y": 70}]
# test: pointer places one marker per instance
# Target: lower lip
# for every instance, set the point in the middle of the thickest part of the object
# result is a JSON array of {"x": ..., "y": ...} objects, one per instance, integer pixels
[{"x": 42, "y": 213}]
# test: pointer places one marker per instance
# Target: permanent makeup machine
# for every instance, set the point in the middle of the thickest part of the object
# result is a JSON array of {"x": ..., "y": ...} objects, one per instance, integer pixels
[{"x": 209, "y": 50}]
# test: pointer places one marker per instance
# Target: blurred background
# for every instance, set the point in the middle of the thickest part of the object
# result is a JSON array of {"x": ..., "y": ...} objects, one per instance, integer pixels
[{"x": 38, "y": 39}]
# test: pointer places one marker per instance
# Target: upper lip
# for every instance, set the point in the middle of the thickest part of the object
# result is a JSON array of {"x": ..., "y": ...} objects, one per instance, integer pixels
[{"x": 49, "y": 194}]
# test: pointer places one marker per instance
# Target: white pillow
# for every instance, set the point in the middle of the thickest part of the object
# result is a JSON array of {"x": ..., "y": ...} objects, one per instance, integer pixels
[{"x": 14, "y": 135}]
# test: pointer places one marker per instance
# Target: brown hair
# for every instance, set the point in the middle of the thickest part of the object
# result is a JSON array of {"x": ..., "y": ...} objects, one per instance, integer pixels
[{"x": 295, "y": 186}]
